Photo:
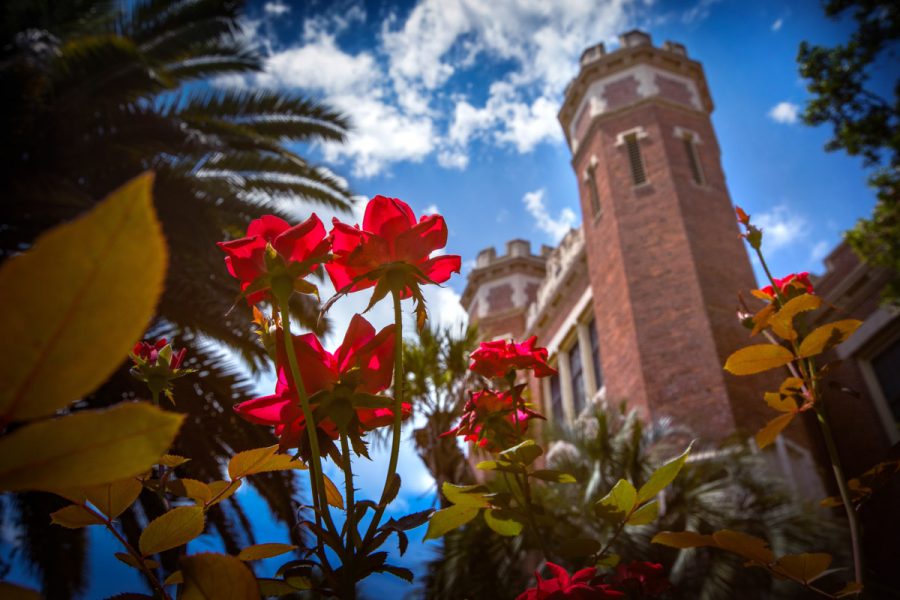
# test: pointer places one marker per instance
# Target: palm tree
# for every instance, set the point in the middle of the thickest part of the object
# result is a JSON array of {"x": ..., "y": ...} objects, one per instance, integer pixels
[{"x": 95, "y": 92}]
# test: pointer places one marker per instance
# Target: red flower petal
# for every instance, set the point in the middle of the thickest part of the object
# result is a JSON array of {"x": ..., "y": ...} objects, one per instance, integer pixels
[
  {"x": 439, "y": 268},
  {"x": 268, "y": 227},
  {"x": 388, "y": 217},
  {"x": 303, "y": 241}
]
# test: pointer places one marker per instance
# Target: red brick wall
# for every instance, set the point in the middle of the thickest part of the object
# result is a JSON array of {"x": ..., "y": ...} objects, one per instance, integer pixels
[{"x": 621, "y": 92}]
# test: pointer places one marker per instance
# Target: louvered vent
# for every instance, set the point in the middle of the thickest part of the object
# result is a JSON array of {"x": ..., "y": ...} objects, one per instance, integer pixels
[{"x": 638, "y": 175}]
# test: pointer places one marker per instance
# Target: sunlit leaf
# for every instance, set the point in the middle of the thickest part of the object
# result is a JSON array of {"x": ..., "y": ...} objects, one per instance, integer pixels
[
  {"x": 782, "y": 322},
  {"x": 780, "y": 403},
  {"x": 645, "y": 514},
  {"x": 112, "y": 499},
  {"x": 191, "y": 488},
  {"x": 827, "y": 336},
  {"x": 663, "y": 476},
  {"x": 448, "y": 519},
  {"x": 261, "y": 551},
  {"x": 465, "y": 495},
  {"x": 134, "y": 563},
  {"x": 524, "y": 453},
  {"x": 767, "y": 434},
  {"x": 123, "y": 441},
  {"x": 750, "y": 547},
  {"x": 176, "y": 577},
  {"x": 332, "y": 494},
  {"x": 609, "y": 561},
  {"x": 758, "y": 358},
  {"x": 76, "y": 302},
  {"x": 261, "y": 460},
  {"x": 216, "y": 576},
  {"x": 172, "y": 460},
  {"x": 851, "y": 589},
  {"x": 75, "y": 517},
  {"x": 503, "y": 522},
  {"x": 804, "y": 567},
  {"x": 222, "y": 490},
  {"x": 618, "y": 503},
  {"x": 683, "y": 539},
  {"x": 172, "y": 529}
]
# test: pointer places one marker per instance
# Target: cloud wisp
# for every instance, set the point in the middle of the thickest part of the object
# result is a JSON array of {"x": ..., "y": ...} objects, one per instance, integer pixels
[
  {"x": 555, "y": 227},
  {"x": 785, "y": 112}
]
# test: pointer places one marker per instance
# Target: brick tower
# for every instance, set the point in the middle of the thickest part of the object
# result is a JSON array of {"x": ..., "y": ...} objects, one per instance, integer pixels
[{"x": 664, "y": 258}]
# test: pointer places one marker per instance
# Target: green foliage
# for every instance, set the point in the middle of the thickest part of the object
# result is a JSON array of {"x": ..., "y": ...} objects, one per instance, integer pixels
[{"x": 864, "y": 123}]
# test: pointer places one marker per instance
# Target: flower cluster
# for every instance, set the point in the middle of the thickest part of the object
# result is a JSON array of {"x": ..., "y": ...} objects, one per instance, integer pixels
[
  {"x": 157, "y": 365},
  {"x": 793, "y": 283},
  {"x": 391, "y": 252},
  {"x": 633, "y": 580},
  {"x": 498, "y": 358}
]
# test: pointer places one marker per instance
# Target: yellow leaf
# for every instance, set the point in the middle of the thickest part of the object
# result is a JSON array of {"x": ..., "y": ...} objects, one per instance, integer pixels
[
  {"x": 88, "y": 448},
  {"x": 645, "y": 514},
  {"x": 76, "y": 302},
  {"x": 791, "y": 385},
  {"x": 465, "y": 495},
  {"x": 761, "y": 295},
  {"x": 216, "y": 576},
  {"x": 803, "y": 567},
  {"x": 332, "y": 494},
  {"x": 767, "y": 434},
  {"x": 172, "y": 529},
  {"x": 172, "y": 460},
  {"x": 761, "y": 319},
  {"x": 261, "y": 551},
  {"x": 133, "y": 562},
  {"x": 16, "y": 592},
  {"x": 758, "y": 358},
  {"x": 260, "y": 460},
  {"x": 222, "y": 490},
  {"x": 750, "y": 547},
  {"x": 113, "y": 498},
  {"x": 781, "y": 403},
  {"x": 782, "y": 322},
  {"x": 683, "y": 539},
  {"x": 75, "y": 517},
  {"x": 827, "y": 336},
  {"x": 191, "y": 488},
  {"x": 174, "y": 578}
]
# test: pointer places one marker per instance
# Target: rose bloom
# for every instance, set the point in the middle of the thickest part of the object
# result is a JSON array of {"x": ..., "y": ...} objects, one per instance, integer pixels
[
  {"x": 798, "y": 280},
  {"x": 391, "y": 245},
  {"x": 150, "y": 353},
  {"x": 300, "y": 248},
  {"x": 497, "y": 358},
  {"x": 578, "y": 587},
  {"x": 644, "y": 578},
  {"x": 363, "y": 363},
  {"x": 488, "y": 420}
]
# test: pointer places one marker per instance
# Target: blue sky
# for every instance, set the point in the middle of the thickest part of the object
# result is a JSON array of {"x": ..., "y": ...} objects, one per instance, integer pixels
[{"x": 454, "y": 104}]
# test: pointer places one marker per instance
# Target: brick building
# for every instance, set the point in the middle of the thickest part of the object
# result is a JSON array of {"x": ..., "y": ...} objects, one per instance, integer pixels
[{"x": 639, "y": 303}]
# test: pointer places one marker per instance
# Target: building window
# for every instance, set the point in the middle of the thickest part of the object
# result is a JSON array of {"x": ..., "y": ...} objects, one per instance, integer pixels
[
  {"x": 885, "y": 366},
  {"x": 590, "y": 179},
  {"x": 595, "y": 353},
  {"x": 690, "y": 148},
  {"x": 577, "y": 375},
  {"x": 638, "y": 175},
  {"x": 556, "y": 403}
]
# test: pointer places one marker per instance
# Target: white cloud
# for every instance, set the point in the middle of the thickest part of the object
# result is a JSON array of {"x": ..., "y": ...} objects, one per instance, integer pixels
[
  {"x": 276, "y": 8},
  {"x": 785, "y": 112},
  {"x": 781, "y": 227},
  {"x": 698, "y": 12},
  {"x": 431, "y": 209},
  {"x": 820, "y": 250},
  {"x": 777, "y": 24},
  {"x": 555, "y": 227}
]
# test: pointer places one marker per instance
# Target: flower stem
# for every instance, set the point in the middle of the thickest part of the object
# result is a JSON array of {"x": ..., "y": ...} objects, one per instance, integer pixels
[
  {"x": 315, "y": 464},
  {"x": 352, "y": 534},
  {"x": 398, "y": 414}
]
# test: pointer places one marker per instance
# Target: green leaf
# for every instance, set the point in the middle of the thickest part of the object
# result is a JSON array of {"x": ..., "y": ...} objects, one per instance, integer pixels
[
  {"x": 112, "y": 499},
  {"x": 683, "y": 539},
  {"x": 503, "y": 522},
  {"x": 609, "y": 561},
  {"x": 827, "y": 337},
  {"x": 214, "y": 576},
  {"x": 466, "y": 495},
  {"x": 758, "y": 358},
  {"x": 261, "y": 460},
  {"x": 663, "y": 476},
  {"x": 767, "y": 434},
  {"x": 172, "y": 529},
  {"x": 524, "y": 453},
  {"x": 75, "y": 303},
  {"x": 261, "y": 551},
  {"x": 554, "y": 476},
  {"x": 645, "y": 514},
  {"x": 498, "y": 465},
  {"x": 88, "y": 448},
  {"x": 803, "y": 567},
  {"x": 75, "y": 516},
  {"x": 448, "y": 519},
  {"x": 618, "y": 503}
]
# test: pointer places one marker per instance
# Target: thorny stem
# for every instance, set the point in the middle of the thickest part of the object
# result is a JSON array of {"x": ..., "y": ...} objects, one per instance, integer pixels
[
  {"x": 154, "y": 582},
  {"x": 398, "y": 413},
  {"x": 315, "y": 465},
  {"x": 348, "y": 490}
]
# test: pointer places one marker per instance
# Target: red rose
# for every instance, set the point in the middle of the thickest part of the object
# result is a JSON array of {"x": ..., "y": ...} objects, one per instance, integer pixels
[
  {"x": 497, "y": 358},
  {"x": 295, "y": 252},
  {"x": 157, "y": 365},
  {"x": 646, "y": 578},
  {"x": 579, "y": 586},
  {"x": 392, "y": 247},
  {"x": 795, "y": 280},
  {"x": 363, "y": 364},
  {"x": 488, "y": 420}
]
